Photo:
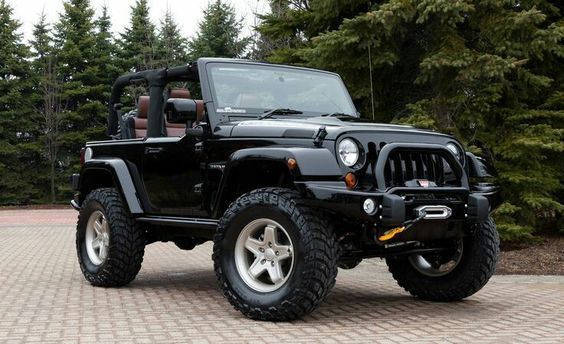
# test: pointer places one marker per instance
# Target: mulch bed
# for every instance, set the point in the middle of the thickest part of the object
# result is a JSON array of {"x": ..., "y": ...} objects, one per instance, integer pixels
[{"x": 543, "y": 258}]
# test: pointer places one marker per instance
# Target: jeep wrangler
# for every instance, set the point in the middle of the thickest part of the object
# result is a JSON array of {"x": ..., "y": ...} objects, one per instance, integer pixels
[{"x": 276, "y": 166}]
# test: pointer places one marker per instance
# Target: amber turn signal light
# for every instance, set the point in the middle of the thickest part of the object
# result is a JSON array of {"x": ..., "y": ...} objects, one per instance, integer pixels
[
  {"x": 350, "y": 180},
  {"x": 292, "y": 164}
]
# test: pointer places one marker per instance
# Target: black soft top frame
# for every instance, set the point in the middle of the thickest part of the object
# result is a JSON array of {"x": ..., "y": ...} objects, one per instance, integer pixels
[{"x": 156, "y": 79}]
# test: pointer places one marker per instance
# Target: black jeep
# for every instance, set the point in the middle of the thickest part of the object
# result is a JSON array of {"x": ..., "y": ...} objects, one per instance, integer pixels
[{"x": 276, "y": 166}]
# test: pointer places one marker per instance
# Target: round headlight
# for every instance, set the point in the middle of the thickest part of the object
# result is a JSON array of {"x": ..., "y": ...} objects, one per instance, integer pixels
[
  {"x": 348, "y": 152},
  {"x": 454, "y": 149},
  {"x": 88, "y": 154}
]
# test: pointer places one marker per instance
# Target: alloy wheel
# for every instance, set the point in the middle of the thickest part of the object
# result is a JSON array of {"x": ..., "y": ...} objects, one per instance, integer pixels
[
  {"x": 264, "y": 255},
  {"x": 97, "y": 238}
]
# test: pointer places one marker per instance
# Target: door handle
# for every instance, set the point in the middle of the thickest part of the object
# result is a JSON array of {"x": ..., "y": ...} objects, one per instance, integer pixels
[{"x": 153, "y": 150}]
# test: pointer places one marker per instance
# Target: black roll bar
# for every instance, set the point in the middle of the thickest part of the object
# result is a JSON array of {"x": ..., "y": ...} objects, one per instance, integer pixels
[{"x": 156, "y": 79}]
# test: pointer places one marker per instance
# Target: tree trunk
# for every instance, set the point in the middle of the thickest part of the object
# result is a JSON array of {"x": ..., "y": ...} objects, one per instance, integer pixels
[
  {"x": 52, "y": 177},
  {"x": 51, "y": 112}
]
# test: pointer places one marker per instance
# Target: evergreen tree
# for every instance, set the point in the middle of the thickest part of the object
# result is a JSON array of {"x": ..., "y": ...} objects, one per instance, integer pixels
[
  {"x": 105, "y": 54},
  {"x": 42, "y": 41},
  {"x": 138, "y": 43},
  {"x": 171, "y": 46},
  {"x": 219, "y": 33},
  {"x": 83, "y": 115},
  {"x": 488, "y": 71},
  {"x": 104, "y": 61},
  {"x": 17, "y": 127},
  {"x": 47, "y": 103}
]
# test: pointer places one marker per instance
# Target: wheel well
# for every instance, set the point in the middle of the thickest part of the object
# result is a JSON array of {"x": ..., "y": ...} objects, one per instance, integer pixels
[
  {"x": 251, "y": 175},
  {"x": 95, "y": 178}
]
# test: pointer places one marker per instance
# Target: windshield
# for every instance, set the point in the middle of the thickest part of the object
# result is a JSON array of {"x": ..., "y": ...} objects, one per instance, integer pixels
[{"x": 254, "y": 89}]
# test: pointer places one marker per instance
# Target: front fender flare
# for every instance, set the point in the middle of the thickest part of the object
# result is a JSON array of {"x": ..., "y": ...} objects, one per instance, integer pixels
[{"x": 311, "y": 162}]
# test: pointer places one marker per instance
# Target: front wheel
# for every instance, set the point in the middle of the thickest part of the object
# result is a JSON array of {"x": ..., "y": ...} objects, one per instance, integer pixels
[
  {"x": 454, "y": 274},
  {"x": 275, "y": 258}
]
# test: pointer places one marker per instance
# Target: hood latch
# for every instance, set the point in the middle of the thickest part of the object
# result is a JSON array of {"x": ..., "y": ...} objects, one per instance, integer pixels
[{"x": 319, "y": 136}]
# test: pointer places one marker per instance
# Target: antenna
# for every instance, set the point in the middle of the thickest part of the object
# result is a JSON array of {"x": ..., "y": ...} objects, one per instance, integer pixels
[{"x": 371, "y": 83}]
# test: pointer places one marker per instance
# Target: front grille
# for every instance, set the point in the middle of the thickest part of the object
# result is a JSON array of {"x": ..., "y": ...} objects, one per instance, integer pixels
[{"x": 402, "y": 167}]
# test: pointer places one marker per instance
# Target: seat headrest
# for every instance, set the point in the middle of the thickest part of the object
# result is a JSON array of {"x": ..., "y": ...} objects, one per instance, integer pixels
[
  {"x": 143, "y": 103},
  {"x": 179, "y": 93},
  {"x": 143, "y": 107},
  {"x": 200, "y": 110}
]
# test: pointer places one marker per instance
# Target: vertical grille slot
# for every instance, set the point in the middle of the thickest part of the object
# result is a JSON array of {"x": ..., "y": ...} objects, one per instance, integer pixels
[
  {"x": 408, "y": 162},
  {"x": 419, "y": 166},
  {"x": 398, "y": 173},
  {"x": 405, "y": 166}
]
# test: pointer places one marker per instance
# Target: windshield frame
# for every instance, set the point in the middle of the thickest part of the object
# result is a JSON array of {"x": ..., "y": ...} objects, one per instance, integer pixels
[{"x": 223, "y": 116}]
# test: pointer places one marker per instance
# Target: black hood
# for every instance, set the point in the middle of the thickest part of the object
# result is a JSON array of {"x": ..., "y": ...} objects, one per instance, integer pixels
[{"x": 308, "y": 127}]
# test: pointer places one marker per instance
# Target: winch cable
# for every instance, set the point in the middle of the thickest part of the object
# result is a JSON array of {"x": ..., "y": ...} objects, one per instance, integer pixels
[{"x": 391, "y": 233}]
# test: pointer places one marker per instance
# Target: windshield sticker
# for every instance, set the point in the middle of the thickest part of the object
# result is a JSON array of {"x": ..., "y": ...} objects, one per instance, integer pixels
[{"x": 228, "y": 109}]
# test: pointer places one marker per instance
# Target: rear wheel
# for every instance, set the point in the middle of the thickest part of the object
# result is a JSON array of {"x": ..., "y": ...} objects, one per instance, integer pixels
[
  {"x": 275, "y": 258},
  {"x": 109, "y": 243},
  {"x": 454, "y": 274}
]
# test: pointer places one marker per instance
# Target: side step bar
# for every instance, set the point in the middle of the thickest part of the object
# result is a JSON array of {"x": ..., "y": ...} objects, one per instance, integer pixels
[{"x": 187, "y": 222}]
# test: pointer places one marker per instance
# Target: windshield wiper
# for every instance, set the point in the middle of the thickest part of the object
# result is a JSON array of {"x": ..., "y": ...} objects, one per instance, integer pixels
[
  {"x": 337, "y": 114},
  {"x": 280, "y": 111}
]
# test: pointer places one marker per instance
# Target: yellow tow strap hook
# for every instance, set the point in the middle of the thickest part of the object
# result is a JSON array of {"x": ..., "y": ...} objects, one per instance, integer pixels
[{"x": 391, "y": 233}]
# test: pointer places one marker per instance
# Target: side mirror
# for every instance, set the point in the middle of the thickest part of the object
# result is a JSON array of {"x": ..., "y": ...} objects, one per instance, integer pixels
[
  {"x": 179, "y": 110},
  {"x": 197, "y": 132}
]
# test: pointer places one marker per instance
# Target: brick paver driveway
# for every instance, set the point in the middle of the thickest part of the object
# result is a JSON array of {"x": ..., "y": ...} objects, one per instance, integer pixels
[{"x": 43, "y": 298}]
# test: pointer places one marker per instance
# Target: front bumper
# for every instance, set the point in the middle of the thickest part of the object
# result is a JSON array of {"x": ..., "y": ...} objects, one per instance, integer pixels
[{"x": 396, "y": 205}]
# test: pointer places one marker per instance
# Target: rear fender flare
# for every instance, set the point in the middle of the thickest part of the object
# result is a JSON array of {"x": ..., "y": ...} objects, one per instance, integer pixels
[{"x": 122, "y": 180}]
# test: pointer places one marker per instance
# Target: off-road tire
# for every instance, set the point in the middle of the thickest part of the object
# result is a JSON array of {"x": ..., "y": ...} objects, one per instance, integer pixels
[
  {"x": 477, "y": 265},
  {"x": 127, "y": 241},
  {"x": 315, "y": 256}
]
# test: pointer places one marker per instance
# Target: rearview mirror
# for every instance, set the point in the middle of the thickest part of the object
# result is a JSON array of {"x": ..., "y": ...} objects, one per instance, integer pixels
[{"x": 179, "y": 110}]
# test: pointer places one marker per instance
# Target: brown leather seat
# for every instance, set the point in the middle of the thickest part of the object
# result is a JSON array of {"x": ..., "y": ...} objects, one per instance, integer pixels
[
  {"x": 172, "y": 129},
  {"x": 177, "y": 129},
  {"x": 179, "y": 93},
  {"x": 140, "y": 122},
  {"x": 200, "y": 111}
]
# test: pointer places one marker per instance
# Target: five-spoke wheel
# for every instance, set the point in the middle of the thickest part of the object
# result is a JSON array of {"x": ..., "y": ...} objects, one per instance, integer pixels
[
  {"x": 275, "y": 258},
  {"x": 97, "y": 237},
  {"x": 263, "y": 255}
]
